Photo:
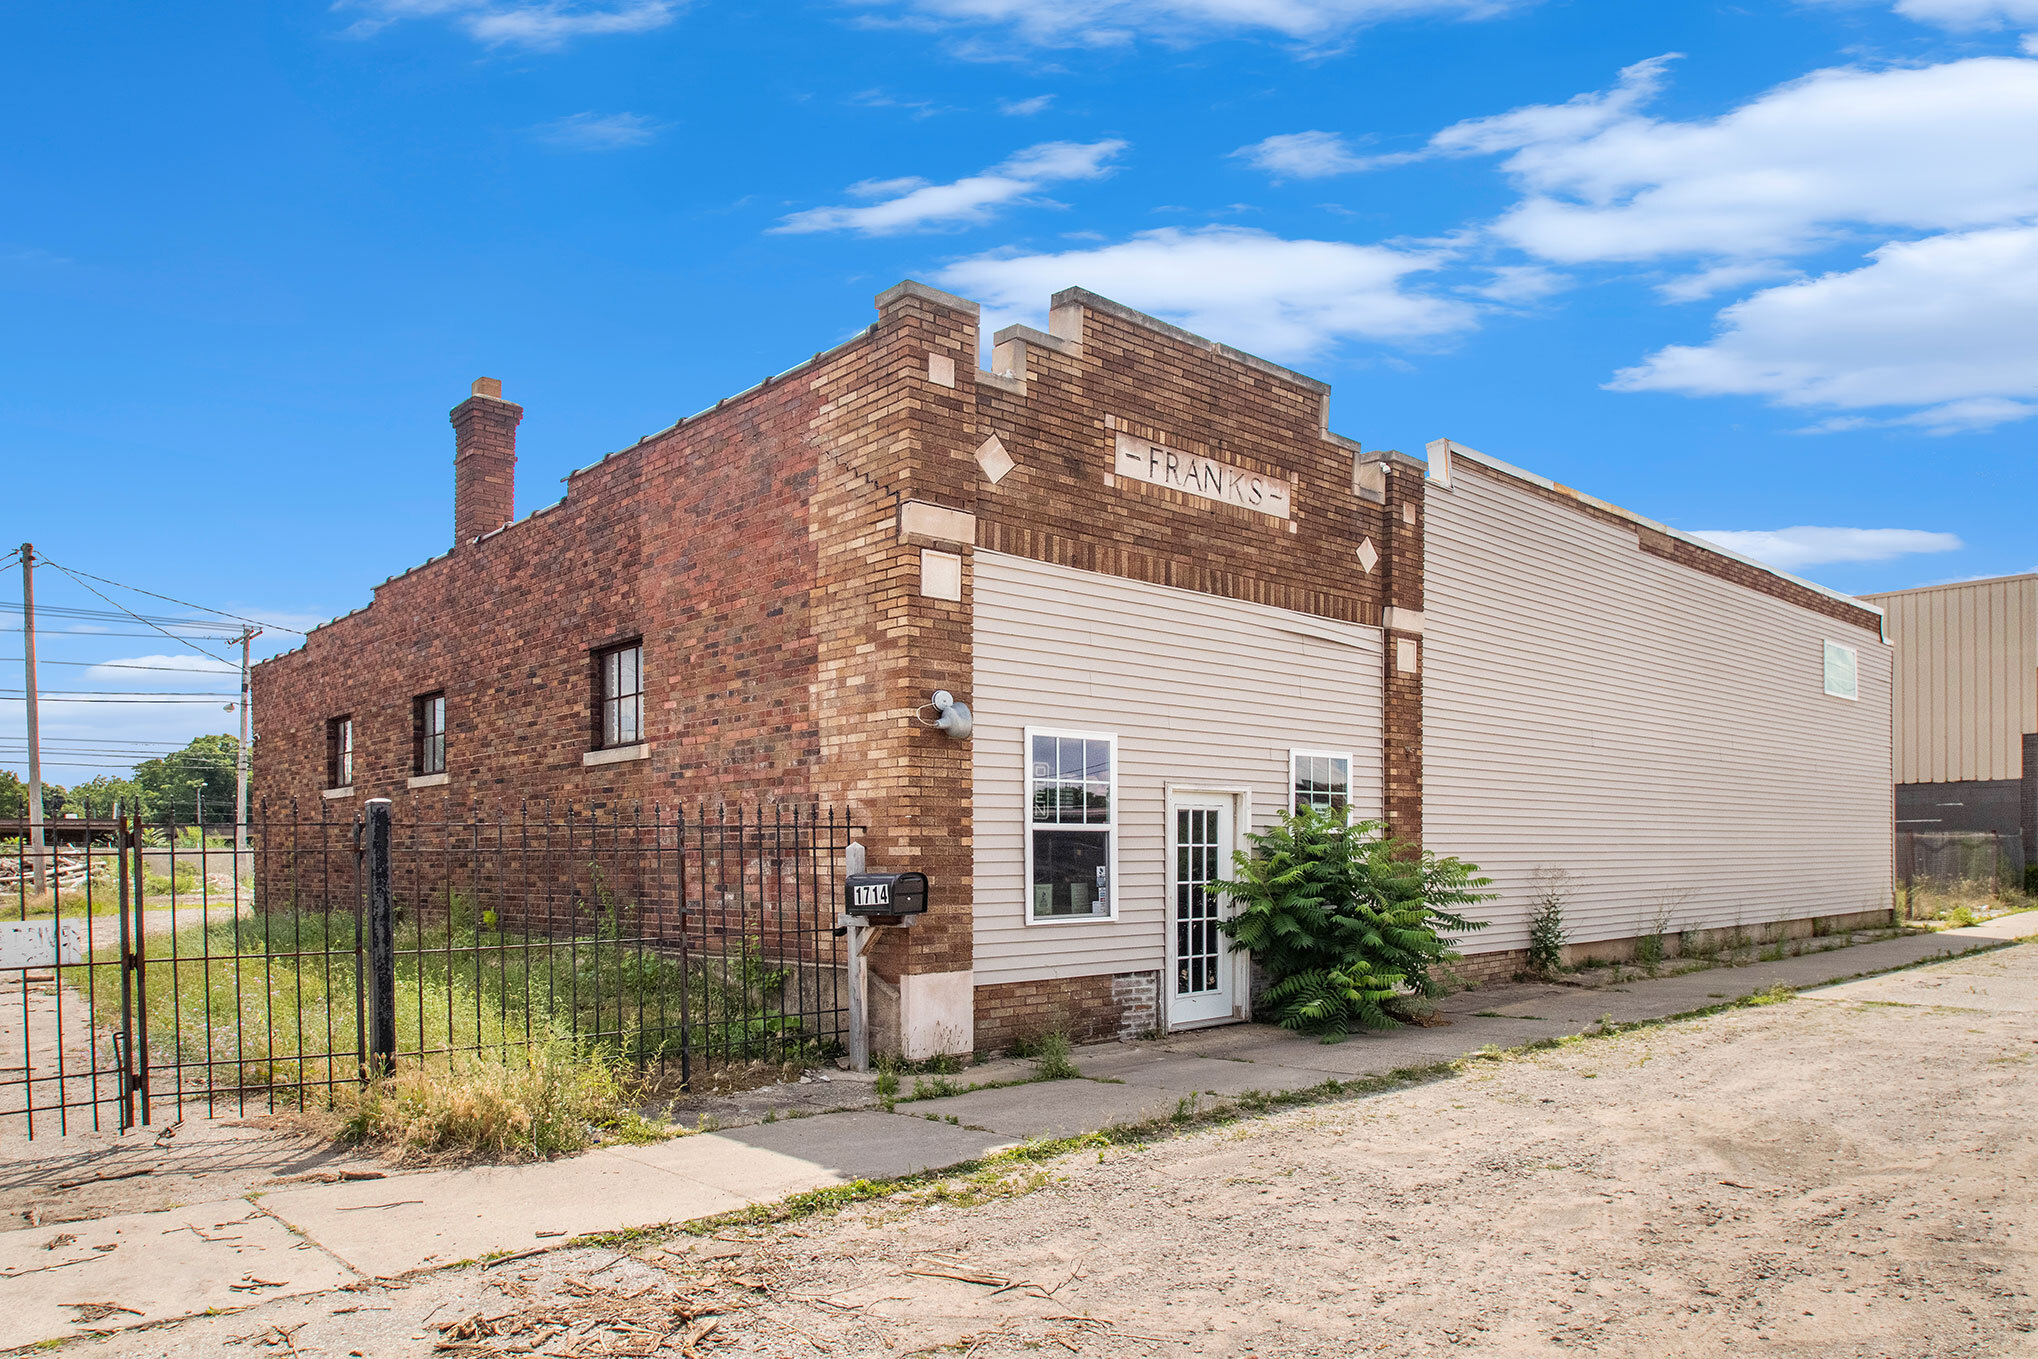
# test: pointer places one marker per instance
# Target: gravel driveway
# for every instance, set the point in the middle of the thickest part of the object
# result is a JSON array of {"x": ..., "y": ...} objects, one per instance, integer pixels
[{"x": 1853, "y": 1172}]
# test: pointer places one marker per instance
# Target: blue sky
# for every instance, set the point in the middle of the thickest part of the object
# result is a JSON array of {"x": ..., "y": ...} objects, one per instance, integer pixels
[{"x": 1746, "y": 268}]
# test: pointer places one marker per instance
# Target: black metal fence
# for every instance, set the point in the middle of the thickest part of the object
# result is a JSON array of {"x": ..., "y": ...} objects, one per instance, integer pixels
[{"x": 165, "y": 969}]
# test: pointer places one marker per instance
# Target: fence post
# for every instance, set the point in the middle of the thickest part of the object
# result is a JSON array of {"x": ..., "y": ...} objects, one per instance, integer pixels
[{"x": 381, "y": 941}]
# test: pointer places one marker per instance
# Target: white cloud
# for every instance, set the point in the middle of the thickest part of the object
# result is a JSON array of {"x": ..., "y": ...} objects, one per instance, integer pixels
[
  {"x": 1948, "y": 323},
  {"x": 1287, "y": 299},
  {"x": 913, "y": 204},
  {"x": 1518, "y": 283},
  {"x": 1025, "y": 108},
  {"x": 1792, "y": 548},
  {"x": 1931, "y": 148},
  {"x": 1970, "y": 14},
  {"x": 1304, "y": 155},
  {"x": 1578, "y": 118},
  {"x": 1113, "y": 23},
  {"x": 598, "y": 131},
  {"x": 518, "y": 23}
]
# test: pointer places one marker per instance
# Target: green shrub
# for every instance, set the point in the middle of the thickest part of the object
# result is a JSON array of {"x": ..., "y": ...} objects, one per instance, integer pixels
[
  {"x": 1345, "y": 919},
  {"x": 2031, "y": 880}
]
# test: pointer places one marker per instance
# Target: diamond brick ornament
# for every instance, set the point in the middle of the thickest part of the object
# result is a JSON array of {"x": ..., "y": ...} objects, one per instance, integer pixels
[{"x": 1369, "y": 556}]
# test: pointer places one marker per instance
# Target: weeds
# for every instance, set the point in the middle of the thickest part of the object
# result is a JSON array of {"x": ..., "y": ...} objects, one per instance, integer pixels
[
  {"x": 1549, "y": 891},
  {"x": 563, "y": 1099},
  {"x": 1051, "y": 1058},
  {"x": 271, "y": 999}
]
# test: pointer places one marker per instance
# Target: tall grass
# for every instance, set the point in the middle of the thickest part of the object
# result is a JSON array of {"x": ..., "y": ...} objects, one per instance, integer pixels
[
  {"x": 556, "y": 1099},
  {"x": 270, "y": 1001}
]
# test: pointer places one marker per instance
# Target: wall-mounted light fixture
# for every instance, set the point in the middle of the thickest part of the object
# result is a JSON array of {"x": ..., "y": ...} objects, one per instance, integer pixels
[{"x": 950, "y": 716}]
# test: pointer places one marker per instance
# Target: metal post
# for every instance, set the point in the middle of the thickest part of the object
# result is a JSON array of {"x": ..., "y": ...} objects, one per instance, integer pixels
[
  {"x": 125, "y": 844},
  {"x": 35, "y": 857},
  {"x": 248, "y": 635},
  {"x": 859, "y": 971},
  {"x": 381, "y": 942}
]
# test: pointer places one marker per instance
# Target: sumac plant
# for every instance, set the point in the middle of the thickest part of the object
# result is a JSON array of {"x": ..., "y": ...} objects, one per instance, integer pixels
[{"x": 1348, "y": 922}]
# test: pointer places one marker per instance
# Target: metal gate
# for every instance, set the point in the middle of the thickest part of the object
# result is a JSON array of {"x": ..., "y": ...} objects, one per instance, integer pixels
[{"x": 152, "y": 970}]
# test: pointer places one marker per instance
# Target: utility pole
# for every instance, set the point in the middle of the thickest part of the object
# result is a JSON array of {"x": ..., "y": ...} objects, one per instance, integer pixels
[
  {"x": 34, "y": 724},
  {"x": 248, "y": 635}
]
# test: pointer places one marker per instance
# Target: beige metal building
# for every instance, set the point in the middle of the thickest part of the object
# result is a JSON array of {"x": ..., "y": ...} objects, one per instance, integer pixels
[{"x": 1967, "y": 705}]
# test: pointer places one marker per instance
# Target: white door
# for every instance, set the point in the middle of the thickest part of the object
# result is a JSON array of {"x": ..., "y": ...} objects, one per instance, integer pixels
[{"x": 1200, "y": 845}]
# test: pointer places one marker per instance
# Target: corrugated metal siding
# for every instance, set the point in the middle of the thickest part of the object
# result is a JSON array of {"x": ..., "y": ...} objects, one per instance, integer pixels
[
  {"x": 1200, "y": 691},
  {"x": 1662, "y": 734},
  {"x": 1966, "y": 678}
]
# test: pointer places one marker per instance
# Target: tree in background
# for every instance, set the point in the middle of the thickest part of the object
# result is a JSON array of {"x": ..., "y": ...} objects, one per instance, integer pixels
[
  {"x": 98, "y": 796},
  {"x": 14, "y": 798},
  {"x": 161, "y": 789},
  {"x": 170, "y": 785}
]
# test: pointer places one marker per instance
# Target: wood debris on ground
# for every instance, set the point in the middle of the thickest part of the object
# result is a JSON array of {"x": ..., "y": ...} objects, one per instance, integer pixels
[{"x": 581, "y": 1317}]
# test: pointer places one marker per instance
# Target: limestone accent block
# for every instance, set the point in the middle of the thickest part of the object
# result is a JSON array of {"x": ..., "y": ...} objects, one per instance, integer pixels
[
  {"x": 918, "y": 517},
  {"x": 940, "y": 575},
  {"x": 1369, "y": 556},
  {"x": 992, "y": 457},
  {"x": 941, "y": 370}
]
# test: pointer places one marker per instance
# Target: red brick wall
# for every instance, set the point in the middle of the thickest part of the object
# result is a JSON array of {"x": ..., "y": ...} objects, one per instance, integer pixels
[
  {"x": 1094, "y": 1009},
  {"x": 1142, "y": 377},
  {"x": 697, "y": 540}
]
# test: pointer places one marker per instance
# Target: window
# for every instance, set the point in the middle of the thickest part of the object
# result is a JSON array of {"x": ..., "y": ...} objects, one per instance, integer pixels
[
  {"x": 340, "y": 752},
  {"x": 619, "y": 690},
  {"x": 1319, "y": 778},
  {"x": 428, "y": 734},
  {"x": 1843, "y": 675},
  {"x": 1072, "y": 801}
]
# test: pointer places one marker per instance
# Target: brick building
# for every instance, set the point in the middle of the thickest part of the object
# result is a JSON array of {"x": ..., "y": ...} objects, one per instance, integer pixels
[{"x": 1176, "y": 603}]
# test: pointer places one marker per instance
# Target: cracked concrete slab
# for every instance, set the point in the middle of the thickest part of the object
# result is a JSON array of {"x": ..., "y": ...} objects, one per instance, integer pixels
[{"x": 72, "y": 1279}]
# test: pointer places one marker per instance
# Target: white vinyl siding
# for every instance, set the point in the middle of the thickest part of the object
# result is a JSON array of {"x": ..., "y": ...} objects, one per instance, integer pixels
[
  {"x": 1662, "y": 734},
  {"x": 1200, "y": 692},
  {"x": 1966, "y": 679}
]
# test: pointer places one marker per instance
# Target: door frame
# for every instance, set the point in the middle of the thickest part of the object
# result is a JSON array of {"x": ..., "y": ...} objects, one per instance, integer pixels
[{"x": 1240, "y": 963}]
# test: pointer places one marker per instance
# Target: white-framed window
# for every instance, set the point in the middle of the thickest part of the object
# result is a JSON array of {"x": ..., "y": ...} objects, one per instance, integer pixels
[
  {"x": 1843, "y": 671},
  {"x": 1319, "y": 778},
  {"x": 1071, "y": 825}
]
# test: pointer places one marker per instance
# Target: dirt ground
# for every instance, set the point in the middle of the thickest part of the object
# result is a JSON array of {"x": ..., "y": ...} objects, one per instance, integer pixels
[{"x": 1817, "y": 1177}]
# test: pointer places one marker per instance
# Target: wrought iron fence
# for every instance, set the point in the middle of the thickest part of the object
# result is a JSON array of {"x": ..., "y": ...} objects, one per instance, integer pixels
[{"x": 162, "y": 969}]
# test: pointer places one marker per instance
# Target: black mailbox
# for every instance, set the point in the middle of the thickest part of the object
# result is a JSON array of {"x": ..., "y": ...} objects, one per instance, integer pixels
[{"x": 885, "y": 894}]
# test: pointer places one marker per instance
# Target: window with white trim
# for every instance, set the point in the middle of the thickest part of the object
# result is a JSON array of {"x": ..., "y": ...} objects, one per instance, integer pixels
[
  {"x": 1319, "y": 778},
  {"x": 1843, "y": 671},
  {"x": 1072, "y": 810}
]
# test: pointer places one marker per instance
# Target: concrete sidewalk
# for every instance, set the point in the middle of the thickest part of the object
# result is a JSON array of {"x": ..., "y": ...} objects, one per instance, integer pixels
[{"x": 117, "y": 1272}]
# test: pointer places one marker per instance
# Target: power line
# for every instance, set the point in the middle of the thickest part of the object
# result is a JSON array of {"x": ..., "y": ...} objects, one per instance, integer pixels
[
  {"x": 120, "y": 693},
  {"x": 137, "y": 617},
  {"x": 114, "y": 615},
  {"x": 208, "y": 698},
  {"x": 120, "y": 665},
  {"x": 44, "y": 634},
  {"x": 169, "y": 600}
]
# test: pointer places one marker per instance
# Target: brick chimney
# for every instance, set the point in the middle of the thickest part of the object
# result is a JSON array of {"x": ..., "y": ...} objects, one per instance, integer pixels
[{"x": 484, "y": 461}]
